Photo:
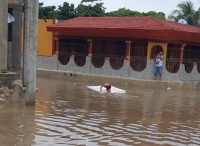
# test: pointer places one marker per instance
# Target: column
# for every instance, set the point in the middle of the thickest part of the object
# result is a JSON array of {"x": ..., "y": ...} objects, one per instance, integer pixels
[
  {"x": 3, "y": 34},
  {"x": 90, "y": 48},
  {"x": 182, "y": 53},
  {"x": 128, "y": 51},
  {"x": 30, "y": 50}
]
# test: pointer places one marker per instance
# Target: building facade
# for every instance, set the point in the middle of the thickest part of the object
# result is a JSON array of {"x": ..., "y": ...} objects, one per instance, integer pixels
[{"x": 124, "y": 47}]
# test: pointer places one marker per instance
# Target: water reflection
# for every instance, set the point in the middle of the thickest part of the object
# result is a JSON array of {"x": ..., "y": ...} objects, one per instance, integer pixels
[{"x": 70, "y": 114}]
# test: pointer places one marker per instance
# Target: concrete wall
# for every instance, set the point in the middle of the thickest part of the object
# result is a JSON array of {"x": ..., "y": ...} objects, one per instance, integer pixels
[
  {"x": 17, "y": 7},
  {"x": 3, "y": 34},
  {"x": 51, "y": 63}
]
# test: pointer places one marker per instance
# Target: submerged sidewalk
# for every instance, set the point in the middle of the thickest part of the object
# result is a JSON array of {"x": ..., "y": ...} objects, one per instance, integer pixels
[{"x": 129, "y": 83}]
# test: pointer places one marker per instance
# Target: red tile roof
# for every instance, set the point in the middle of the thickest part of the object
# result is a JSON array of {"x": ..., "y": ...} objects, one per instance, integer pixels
[{"x": 131, "y": 23}]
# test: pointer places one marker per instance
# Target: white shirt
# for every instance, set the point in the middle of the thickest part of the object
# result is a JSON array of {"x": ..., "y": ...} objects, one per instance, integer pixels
[{"x": 160, "y": 62}]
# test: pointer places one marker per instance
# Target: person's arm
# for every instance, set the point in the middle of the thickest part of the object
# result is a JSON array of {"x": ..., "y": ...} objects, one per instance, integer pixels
[{"x": 161, "y": 58}]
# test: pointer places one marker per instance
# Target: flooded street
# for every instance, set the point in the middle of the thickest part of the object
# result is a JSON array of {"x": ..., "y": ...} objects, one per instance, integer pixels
[{"x": 71, "y": 114}]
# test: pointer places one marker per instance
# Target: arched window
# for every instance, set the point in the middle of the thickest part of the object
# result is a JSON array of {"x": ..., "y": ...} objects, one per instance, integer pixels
[
  {"x": 78, "y": 48},
  {"x": 98, "y": 53},
  {"x": 138, "y": 60},
  {"x": 155, "y": 50},
  {"x": 117, "y": 52},
  {"x": 173, "y": 58},
  {"x": 198, "y": 67},
  {"x": 191, "y": 55},
  {"x": 80, "y": 52},
  {"x": 64, "y": 51},
  {"x": 80, "y": 60}
]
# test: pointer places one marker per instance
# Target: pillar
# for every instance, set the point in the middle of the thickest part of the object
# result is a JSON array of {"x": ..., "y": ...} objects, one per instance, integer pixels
[
  {"x": 30, "y": 49},
  {"x": 90, "y": 48},
  {"x": 56, "y": 46},
  {"x": 128, "y": 51},
  {"x": 182, "y": 54},
  {"x": 3, "y": 34}
]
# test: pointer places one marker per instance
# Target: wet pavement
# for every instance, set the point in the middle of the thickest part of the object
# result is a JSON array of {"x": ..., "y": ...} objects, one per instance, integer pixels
[{"x": 71, "y": 114}]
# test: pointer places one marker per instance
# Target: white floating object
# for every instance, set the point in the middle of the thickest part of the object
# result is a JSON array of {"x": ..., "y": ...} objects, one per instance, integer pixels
[
  {"x": 168, "y": 88},
  {"x": 112, "y": 90}
]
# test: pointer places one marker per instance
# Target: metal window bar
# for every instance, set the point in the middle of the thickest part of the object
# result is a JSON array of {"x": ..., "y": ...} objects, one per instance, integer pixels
[
  {"x": 78, "y": 48},
  {"x": 155, "y": 50},
  {"x": 173, "y": 58},
  {"x": 138, "y": 56},
  {"x": 116, "y": 50},
  {"x": 191, "y": 56}
]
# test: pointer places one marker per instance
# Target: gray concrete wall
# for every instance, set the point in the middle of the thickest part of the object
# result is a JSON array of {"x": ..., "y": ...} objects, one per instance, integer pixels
[
  {"x": 3, "y": 34},
  {"x": 51, "y": 63},
  {"x": 16, "y": 35}
]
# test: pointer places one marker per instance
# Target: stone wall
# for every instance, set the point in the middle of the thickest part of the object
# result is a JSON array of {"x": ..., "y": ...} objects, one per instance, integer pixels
[{"x": 51, "y": 63}]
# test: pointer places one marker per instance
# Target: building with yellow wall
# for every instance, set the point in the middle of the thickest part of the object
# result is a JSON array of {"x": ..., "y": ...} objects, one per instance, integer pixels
[{"x": 45, "y": 39}]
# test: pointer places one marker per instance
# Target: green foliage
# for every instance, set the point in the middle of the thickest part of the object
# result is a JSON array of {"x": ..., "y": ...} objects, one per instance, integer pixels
[
  {"x": 49, "y": 12},
  {"x": 96, "y": 10},
  {"x": 185, "y": 11},
  {"x": 87, "y": 9},
  {"x": 66, "y": 11},
  {"x": 123, "y": 12}
]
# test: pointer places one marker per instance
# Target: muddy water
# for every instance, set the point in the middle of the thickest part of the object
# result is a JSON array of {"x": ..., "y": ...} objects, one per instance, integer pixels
[{"x": 70, "y": 114}]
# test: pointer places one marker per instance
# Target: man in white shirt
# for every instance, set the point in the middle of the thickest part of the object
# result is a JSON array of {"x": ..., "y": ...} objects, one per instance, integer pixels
[{"x": 159, "y": 64}]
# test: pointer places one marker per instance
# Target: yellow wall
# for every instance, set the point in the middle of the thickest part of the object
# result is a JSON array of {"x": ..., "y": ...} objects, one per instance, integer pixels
[
  {"x": 44, "y": 38},
  {"x": 151, "y": 45}
]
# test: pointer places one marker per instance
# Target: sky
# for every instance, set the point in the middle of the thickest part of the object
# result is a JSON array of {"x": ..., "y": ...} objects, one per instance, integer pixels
[{"x": 165, "y": 6}]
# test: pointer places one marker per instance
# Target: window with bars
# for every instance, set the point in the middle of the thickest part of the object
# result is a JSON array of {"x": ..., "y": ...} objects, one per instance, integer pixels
[
  {"x": 155, "y": 50},
  {"x": 138, "y": 54},
  {"x": 98, "y": 53},
  {"x": 118, "y": 54},
  {"x": 191, "y": 55},
  {"x": 116, "y": 50},
  {"x": 173, "y": 58},
  {"x": 78, "y": 48}
]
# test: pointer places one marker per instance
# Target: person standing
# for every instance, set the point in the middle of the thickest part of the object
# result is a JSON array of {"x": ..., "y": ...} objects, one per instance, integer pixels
[{"x": 159, "y": 65}]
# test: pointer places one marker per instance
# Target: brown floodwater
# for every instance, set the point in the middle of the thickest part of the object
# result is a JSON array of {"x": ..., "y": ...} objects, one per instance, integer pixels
[{"x": 70, "y": 114}]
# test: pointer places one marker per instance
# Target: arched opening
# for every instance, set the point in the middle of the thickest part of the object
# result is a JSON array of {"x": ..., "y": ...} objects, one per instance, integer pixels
[
  {"x": 80, "y": 60},
  {"x": 80, "y": 52},
  {"x": 116, "y": 50},
  {"x": 64, "y": 51},
  {"x": 68, "y": 47},
  {"x": 98, "y": 53},
  {"x": 138, "y": 60},
  {"x": 191, "y": 56},
  {"x": 117, "y": 54},
  {"x": 155, "y": 50},
  {"x": 198, "y": 67},
  {"x": 173, "y": 58}
]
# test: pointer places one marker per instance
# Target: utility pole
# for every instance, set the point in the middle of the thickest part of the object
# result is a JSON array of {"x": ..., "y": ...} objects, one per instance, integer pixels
[
  {"x": 3, "y": 34},
  {"x": 30, "y": 49}
]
